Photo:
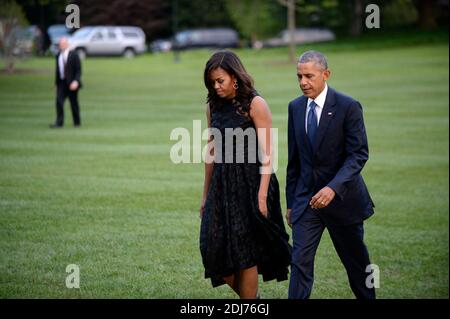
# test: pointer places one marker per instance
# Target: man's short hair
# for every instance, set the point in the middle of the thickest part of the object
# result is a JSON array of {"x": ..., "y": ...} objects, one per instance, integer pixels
[{"x": 314, "y": 56}]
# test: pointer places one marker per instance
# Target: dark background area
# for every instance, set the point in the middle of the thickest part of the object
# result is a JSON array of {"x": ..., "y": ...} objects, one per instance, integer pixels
[{"x": 160, "y": 18}]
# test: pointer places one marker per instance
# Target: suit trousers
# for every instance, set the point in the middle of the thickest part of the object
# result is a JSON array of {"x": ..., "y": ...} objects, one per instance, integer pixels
[
  {"x": 62, "y": 93},
  {"x": 349, "y": 244}
]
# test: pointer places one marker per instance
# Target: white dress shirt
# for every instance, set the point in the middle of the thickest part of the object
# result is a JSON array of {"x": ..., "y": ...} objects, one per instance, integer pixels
[
  {"x": 62, "y": 60},
  {"x": 320, "y": 102}
]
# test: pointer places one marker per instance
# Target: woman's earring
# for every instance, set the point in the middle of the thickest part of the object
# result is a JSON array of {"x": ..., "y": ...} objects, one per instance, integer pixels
[{"x": 235, "y": 85}]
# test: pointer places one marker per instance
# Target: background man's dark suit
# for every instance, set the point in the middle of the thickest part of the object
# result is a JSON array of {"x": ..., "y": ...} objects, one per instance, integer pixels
[
  {"x": 335, "y": 160},
  {"x": 72, "y": 72}
]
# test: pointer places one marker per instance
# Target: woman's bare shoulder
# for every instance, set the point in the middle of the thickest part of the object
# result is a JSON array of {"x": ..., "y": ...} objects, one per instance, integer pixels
[{"x": 259, "y": 105}]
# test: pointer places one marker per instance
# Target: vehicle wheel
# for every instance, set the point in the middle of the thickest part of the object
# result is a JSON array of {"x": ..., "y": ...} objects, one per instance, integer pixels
[
  {"x": 129, "y": 53},
  {"x": 81, "y": 53}
]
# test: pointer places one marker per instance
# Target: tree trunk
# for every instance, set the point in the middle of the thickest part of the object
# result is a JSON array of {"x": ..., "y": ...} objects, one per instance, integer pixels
[
  {"x": 9, "y": 64},
  {"x": 9, "y": 42},
  {"x": 357, "y": 12},
  {"x": 427, "y": 19},
  {"x": 291, "y": 28}
]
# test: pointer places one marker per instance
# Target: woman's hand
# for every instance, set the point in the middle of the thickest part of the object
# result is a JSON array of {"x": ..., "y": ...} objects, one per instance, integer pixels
[
  {"x": 262, "y": 203},
  {"x": 202, "y": 207}
]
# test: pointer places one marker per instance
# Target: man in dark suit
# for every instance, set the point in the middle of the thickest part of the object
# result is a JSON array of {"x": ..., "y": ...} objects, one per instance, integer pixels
[
  {"x": 67, "y": 81},
  {"x": 327, "y": 148}
]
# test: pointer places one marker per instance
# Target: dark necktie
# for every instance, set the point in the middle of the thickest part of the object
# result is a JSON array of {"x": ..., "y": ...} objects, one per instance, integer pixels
[{"x": 312, "y": 122}]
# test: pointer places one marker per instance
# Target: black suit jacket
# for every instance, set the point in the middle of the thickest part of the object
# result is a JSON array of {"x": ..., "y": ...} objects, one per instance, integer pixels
[
  {"x": 335, "y": 160},
  {"x": 72, "y": 70}
]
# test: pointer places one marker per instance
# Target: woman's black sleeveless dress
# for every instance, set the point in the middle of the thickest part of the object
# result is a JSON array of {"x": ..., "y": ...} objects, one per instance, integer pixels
[{"x": 234, "y": 235}]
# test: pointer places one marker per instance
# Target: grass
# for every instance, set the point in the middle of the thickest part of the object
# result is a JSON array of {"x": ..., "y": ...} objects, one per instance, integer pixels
[{"x": 107, "y": 197}]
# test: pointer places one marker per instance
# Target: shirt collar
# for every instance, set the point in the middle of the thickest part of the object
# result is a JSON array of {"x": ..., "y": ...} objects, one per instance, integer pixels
[
  {"x": 65, "y": 52},
  {"x": 320, "y": 99}
]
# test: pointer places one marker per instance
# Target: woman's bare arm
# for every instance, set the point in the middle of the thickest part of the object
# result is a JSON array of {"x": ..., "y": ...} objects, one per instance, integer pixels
[
  {"x": 262, "y": 117},
  {"x": 208, "y": 164}
]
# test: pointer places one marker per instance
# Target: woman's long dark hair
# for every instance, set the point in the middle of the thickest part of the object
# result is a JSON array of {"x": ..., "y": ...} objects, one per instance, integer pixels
[{"x": 230, "y": 63}]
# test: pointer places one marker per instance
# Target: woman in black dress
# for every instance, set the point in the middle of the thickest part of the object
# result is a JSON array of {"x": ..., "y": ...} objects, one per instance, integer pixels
[{"x": 242, "y": 231}]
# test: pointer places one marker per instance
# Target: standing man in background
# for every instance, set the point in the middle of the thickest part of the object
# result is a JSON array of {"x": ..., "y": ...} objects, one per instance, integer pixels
[{"x": 67, "y": 81}]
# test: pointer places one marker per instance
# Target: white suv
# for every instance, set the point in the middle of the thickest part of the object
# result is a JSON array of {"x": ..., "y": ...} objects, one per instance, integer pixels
[{"x": 108, "y": 40}]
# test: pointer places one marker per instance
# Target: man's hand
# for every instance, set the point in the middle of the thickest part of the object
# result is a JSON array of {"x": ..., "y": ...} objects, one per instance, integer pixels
[
  {"x": 73, "y": 85},
  {"x": 288, "y": 217},
  {"x": 323, "y": 198}
]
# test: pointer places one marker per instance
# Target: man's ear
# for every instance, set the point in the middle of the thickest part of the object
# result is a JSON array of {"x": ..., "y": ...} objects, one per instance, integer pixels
[{"x": 326, "y": 74}]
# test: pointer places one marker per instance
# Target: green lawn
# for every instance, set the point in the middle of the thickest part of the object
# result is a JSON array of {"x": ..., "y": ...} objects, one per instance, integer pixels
[{"x": 107, "y": 197}]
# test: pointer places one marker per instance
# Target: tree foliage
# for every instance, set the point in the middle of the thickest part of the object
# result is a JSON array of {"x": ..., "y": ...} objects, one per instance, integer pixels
[
  {"x": 151, "y": 15},
  {"x": 256, "y": 19}
]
